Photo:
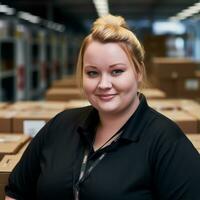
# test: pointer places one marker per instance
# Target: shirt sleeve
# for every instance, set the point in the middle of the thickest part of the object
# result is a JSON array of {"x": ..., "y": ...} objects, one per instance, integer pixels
[
  {"x": 22, "y": 180},
  {"x": 177, "y": 169}
]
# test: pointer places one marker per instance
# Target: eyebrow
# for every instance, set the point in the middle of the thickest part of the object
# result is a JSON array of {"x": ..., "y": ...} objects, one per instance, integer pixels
[
  {"x": 113, "y": 65},
  {"x": 91, "y": 66}
]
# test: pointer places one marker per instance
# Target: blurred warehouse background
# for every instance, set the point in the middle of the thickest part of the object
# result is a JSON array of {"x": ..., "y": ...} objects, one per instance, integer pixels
[
  {"x": 39, "y": 44},
  {"x": 39, "y": 40}
]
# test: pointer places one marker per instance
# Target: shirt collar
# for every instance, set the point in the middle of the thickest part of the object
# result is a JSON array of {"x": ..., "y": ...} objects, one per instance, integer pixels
[
  {"x": 88, "y": 124},
  {"x": 131, "y": 129}
]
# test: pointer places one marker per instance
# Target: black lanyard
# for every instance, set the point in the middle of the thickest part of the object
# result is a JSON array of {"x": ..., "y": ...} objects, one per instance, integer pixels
[{"x": 85, "y": 173}]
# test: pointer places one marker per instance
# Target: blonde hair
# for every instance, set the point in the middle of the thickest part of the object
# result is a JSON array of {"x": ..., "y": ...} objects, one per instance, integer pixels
[{"x": 111, "y": 28}]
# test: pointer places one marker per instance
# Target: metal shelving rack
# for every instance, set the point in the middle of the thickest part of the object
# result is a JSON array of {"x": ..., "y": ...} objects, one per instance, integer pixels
[{"x": 30, "y": 59}]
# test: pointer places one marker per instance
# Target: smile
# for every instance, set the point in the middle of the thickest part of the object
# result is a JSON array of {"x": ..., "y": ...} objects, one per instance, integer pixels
[{"x": 106, "y": 97}]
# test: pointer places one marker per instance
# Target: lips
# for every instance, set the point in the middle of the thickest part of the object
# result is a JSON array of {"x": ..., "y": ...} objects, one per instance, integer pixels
[{"x": 106, "y": 97}]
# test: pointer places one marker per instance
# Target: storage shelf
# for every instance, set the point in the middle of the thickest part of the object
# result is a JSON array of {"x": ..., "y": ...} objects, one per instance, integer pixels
[
  {"x": 6, "y": 74},
  {"x": 27, "y": 61}
]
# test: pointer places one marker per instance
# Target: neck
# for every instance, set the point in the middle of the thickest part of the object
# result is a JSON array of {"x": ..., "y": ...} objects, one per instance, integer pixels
[{"x": 111, "y": 123}]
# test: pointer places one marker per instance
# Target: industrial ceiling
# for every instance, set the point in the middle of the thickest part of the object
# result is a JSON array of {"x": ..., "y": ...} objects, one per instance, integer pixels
[{"x": 74, "y": 13}]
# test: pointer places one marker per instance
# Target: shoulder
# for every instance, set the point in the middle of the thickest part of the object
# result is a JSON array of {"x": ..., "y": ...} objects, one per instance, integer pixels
[
  {"x": 164, "y": 138},
  {"x": 154, "y": 124},
  {"x": 163, "y": 128},
  {"x": 64, "y": 122},
  {"x": 74, "y": 114},
  {"x": 69, "y": 118},
  {"x": 60, "y": 128}
]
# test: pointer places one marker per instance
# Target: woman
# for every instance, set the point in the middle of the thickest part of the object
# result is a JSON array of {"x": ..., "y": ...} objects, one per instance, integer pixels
[{"x": 118, "y": 148}]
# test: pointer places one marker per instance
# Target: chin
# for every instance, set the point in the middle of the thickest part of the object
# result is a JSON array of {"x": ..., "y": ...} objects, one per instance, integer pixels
[
  {"x": 108, "y": 109},
  {"x": 104, "y": 106}
]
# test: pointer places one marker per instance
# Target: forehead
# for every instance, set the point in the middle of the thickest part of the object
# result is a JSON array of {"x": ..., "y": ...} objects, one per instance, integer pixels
[{"x": 111, "y": 51}]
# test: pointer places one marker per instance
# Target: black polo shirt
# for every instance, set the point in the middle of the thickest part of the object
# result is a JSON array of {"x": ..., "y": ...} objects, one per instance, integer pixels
[{"x": 151, "y": 160}]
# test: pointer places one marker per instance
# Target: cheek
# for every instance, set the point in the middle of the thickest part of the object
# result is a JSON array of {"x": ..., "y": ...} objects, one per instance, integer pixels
[
  {"x": 127, "y": 83},
  {"x": 88, "y": 85}
]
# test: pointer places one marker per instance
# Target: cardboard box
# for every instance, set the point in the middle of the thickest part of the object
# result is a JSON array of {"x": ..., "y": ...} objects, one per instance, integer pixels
[
  {"x": 38, "y": 105},
  {"x": 193, "y": 108},
  {"x": 187, "y": 104},
  {"x": 153, "y": 93},
  {"x": 77, "y": 103},
  {"x": 30, "y": 122},
  {"x": 195, "y": 111},
  {"x": 173, "y": 104},
  {"x": 6, "y": 117},
  {"x": 176, "y": 76},
  {"x": 52, "y": 105},
  {"x": 188, "y": 87},
  {"x": 168, "y": 85},
  {"x": 63, "y": 94},
  {"x": 174, "y": 67},
  {"x": 36, "y": 109},
  {"x": 7, "y": 164},
  {"x": 23, "y": 105},
  {"x": 197, "y": 73},
  {"x": 3, "y": 105},
  {"x": 11, "y": 143}
]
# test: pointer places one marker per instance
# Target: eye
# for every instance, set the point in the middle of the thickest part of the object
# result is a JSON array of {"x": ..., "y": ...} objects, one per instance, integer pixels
[
  {"x": 92, "y": 74},
  {"x": 117, "y": 72}
]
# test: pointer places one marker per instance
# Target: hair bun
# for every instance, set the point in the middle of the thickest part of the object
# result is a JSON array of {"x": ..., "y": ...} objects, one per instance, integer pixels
[{"x": 110, "y": 20}]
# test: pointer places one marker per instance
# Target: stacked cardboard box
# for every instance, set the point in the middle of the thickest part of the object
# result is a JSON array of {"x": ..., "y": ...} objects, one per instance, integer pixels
[
  {"x": 6, "y": 117},
  {"x": 173, "y": 104},
  {"x": 29, "y": 121},
  {"x": 177, "y": 77},
  {"x": 7, "y": 164},
  {"x": 11, "y": 143},
  {"x": 153, "y": 93},
  {"x": 31, "y": 114},
  {"x": 63, "y": 94},
  {"x": 15, "y": 145},
  {"x": 38, "y": 105}
]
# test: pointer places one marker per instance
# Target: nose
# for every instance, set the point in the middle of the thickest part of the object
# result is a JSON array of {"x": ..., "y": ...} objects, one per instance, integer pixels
[{"x": 105, "y": 82}]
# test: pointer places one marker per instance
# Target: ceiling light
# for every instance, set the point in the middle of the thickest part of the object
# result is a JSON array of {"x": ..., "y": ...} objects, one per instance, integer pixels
[
  {"x": 29, "y": 17},
  {"x": 54, "y": 26},
  {"x": 188, "y": 12},
  {"x": 7, "y": 10},
  {"x": 101, "y": 7}
]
